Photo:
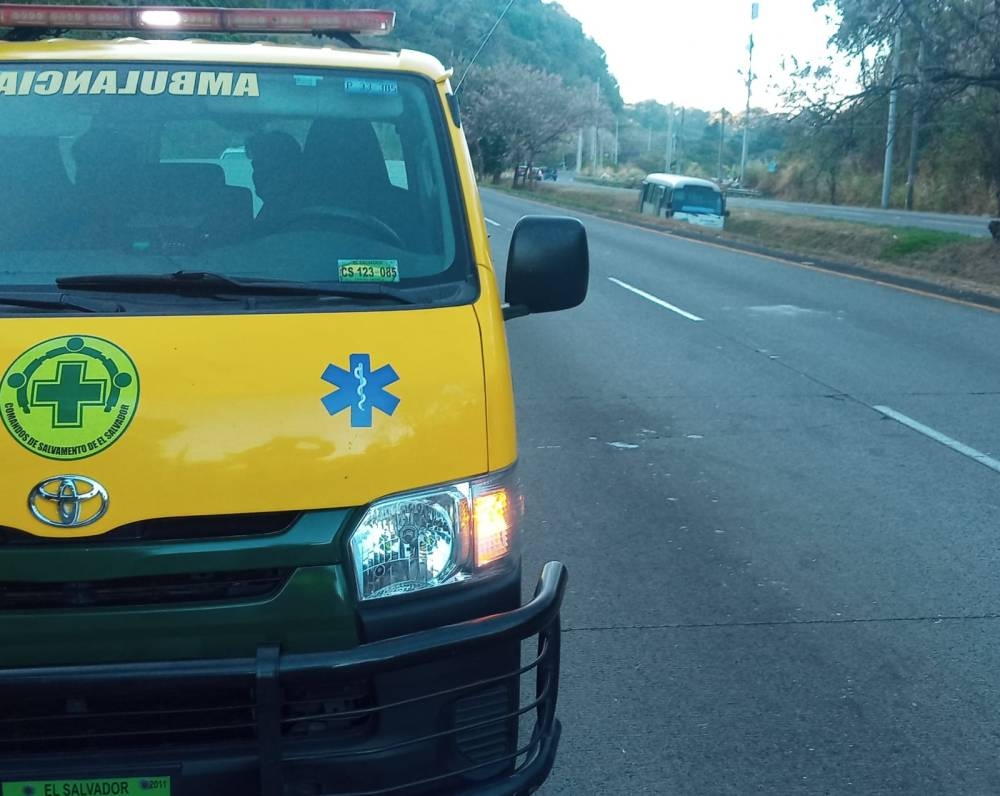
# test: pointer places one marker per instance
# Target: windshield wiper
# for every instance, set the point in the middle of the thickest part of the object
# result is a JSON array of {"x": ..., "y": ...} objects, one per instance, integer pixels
[
  {"x": 206, "y": 283},
  {"x": 58, "y": 305}
]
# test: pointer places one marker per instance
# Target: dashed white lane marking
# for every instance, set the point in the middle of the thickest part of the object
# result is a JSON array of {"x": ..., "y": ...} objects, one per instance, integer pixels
[
  {"x": 491, "y": 222},
  {"x": 650, "y": 297},
  {"x": 937, "y": 436}
]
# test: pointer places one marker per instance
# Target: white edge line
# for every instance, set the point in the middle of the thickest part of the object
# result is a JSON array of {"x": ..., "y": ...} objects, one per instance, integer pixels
[
  {"x": 937, "y": 436},
  {"x": 491, "y": 221},
  {"x": 655, "y": 300}
]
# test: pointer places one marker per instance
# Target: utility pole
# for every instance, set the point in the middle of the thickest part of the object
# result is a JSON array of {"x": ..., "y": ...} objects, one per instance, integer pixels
[
  {"x": 616, "y": 142},
  {"x": 754, "y": 11},
  {"x": 722, "y": 140},
  {"x": 593, "y": 134},
  {"x": 579, "y": 151},
  {"x": 670, "y": 137},
  {"x": 918, "y": 101},
  {"x": 890, "y": 133},
  {"x": 679, "y": 145}
]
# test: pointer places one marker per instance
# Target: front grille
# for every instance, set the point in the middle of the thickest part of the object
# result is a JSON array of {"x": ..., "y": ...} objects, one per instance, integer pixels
[
  {"x": 81, "y": 719},
  {"x": 152, "y": 590},
  {"x": 173, "y": 529}
]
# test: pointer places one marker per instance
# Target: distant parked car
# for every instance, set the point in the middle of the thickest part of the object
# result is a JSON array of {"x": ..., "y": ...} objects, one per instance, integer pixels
[{"x": 550, "y": 173}]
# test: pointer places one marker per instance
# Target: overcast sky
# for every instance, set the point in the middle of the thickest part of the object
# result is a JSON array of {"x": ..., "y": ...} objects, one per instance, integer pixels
[{"x": 689, "y": 51}]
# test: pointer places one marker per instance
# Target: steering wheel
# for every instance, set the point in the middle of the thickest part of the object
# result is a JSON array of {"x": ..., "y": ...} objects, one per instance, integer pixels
[{"x": 326, "y": 215}]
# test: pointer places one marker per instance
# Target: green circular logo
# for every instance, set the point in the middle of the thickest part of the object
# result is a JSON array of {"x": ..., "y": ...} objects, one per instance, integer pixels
[{"x": 69, "y": 397}]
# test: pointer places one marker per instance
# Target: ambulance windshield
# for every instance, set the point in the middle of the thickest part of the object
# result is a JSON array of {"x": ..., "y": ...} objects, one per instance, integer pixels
[{"x": 298, "y": 174}]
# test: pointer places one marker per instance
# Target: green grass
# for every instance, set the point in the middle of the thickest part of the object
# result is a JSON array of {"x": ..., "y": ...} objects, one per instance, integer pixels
[
  {"x": 907, "y": 241},
  {"x": 747, "y": 226},
  {"x": 602, "y": 203}
]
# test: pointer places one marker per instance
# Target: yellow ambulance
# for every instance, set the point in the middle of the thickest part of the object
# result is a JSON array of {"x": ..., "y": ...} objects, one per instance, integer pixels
[{"x": 259, "y": 515}]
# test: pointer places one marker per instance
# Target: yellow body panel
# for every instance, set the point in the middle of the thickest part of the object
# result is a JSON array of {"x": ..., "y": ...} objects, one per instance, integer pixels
[
  {"x": 230, "y": 418},
  {"x": 501, "y": 429},
  {"x": 500, "y": 418}
]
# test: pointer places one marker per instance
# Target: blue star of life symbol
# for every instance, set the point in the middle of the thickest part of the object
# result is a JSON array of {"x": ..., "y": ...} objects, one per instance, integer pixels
[{"x": 361, "y": 389}]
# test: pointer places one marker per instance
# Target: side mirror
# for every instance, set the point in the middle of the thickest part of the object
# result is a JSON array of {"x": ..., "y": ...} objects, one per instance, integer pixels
[{"x": 548, "y": 266}]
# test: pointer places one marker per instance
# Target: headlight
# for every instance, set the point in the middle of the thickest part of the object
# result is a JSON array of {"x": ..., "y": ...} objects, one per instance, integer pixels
[{"x": 437, "y": 536}]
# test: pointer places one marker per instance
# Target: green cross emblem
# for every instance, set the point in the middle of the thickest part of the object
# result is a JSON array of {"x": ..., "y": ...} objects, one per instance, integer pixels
[
  {"x": 69, "y": 393},
  {"x": 69, "y": 397}
]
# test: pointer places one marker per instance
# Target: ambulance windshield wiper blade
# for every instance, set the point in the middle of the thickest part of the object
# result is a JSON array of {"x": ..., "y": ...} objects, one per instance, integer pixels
[
  {"x": 57, "y": 305},
  {"x": 206, "y": 283}
]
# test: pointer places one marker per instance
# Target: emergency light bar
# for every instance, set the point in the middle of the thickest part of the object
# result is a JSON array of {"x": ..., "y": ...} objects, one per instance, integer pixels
[{"x": 205, "y": 20}]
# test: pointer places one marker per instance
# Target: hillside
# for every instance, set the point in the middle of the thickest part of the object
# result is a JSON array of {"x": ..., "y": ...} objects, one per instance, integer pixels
[{"x": 537, "y": 34}]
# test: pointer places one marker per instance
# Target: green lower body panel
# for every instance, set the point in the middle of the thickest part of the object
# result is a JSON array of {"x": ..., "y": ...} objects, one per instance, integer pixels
[
  {"x": 115, "y": 601},
  {"x": 311, "y": 611}
]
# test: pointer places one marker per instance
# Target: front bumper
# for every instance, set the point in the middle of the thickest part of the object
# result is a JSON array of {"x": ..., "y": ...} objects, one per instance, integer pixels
[{"x": 439, "y": 711}]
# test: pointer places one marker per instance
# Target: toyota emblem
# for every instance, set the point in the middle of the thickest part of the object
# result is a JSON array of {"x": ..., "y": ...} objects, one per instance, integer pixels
[{"x": 68, "y": 501}]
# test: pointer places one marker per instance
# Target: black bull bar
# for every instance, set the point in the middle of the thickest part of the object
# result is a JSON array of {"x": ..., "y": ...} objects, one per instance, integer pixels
[{"x": 518, "y": 769}]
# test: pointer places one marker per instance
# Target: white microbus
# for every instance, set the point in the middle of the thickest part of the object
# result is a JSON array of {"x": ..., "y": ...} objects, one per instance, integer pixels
[{"x": 690, "y": 199}]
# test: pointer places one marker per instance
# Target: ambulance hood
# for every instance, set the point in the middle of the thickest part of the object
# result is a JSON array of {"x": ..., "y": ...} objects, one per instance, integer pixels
[{"x": 195, "y": 415}]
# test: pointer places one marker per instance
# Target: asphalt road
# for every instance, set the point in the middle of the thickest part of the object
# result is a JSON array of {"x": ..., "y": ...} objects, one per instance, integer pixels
[
  {"x": 944, "y": 222},
  {"x": 774, "y": 587}
]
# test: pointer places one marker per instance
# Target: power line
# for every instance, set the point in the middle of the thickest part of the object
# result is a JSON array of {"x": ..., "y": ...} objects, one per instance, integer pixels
[{"x": 486, "y": 41}]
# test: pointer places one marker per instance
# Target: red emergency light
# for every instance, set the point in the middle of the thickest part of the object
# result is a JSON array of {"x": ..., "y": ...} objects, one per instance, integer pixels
[{"x": 203, "y": 20}]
